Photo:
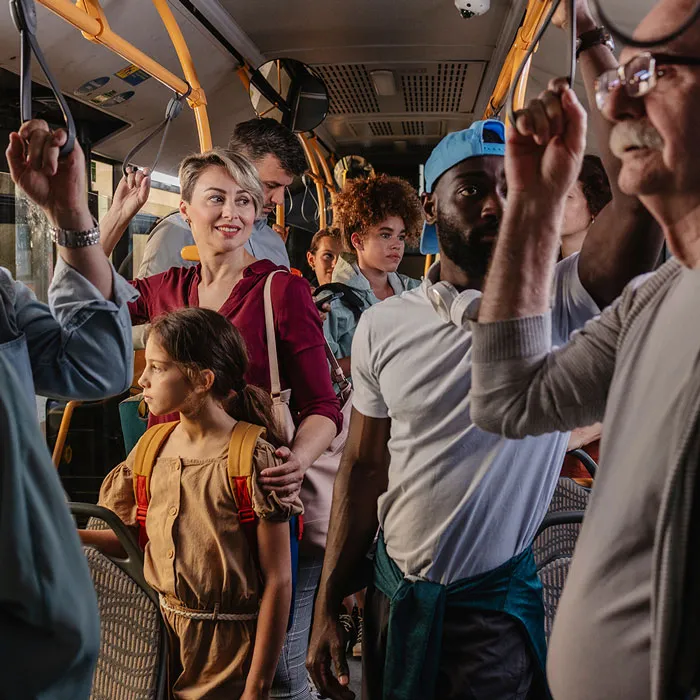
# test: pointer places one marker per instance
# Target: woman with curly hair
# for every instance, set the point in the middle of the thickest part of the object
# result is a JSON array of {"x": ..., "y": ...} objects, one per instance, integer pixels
[{"x": 377, "y": 217}]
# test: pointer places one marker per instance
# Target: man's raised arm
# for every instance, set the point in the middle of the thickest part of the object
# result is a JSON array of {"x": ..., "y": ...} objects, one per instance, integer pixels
[
  {"x": 624, "y": 240},
  {"x": 519, "y": 386}
]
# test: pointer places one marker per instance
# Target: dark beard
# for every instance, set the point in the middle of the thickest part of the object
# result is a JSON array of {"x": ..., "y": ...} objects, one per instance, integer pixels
[{"x": 470, "y": 252}]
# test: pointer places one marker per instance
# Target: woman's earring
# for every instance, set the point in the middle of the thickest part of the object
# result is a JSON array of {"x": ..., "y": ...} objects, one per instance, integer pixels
[{"x": 188, "y": 221}]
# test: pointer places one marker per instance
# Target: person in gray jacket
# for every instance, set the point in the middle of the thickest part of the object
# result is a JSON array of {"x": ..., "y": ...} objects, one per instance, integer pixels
[
  {"x": 629, "y": 610},
  {"x": 278, "y": 157},
  {"x": 78, "y": 347}
]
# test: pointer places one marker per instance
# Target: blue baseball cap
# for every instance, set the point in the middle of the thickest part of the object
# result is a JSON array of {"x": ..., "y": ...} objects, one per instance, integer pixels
[{"x": 453, "y": 149}]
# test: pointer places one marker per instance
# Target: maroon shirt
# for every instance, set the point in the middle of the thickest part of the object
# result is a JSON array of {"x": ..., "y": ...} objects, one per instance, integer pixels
[{"x": 300, "y": 342}]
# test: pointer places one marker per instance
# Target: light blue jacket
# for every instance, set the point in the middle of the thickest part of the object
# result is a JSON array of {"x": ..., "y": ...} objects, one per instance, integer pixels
[
  {"x": 49, "y": 622},
  {"x": 78, "y": 347},
  {"x": 340, "y": 324}
]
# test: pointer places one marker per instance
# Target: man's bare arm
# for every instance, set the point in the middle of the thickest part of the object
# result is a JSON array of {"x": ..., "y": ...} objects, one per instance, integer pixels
[{"x": 362, "y": 478}]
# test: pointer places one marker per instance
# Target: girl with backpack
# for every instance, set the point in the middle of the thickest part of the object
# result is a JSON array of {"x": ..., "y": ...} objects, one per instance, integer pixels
[{"x": 224, "y": 584}]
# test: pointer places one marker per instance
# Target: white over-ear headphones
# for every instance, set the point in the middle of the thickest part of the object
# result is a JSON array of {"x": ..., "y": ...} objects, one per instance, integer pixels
[{"x": 452, "y": 306}]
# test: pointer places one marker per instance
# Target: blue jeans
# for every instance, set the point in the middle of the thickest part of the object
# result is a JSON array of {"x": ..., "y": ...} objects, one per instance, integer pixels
[{"x": 290, "y": 679}]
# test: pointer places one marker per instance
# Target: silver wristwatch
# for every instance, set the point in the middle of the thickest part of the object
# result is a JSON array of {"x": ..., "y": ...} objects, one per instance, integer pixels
[{"x": 75, "y": 239}]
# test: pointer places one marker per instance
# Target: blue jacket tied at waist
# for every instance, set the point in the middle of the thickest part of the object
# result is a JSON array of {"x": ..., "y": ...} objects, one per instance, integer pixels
[{"x": 418, "y": 608}]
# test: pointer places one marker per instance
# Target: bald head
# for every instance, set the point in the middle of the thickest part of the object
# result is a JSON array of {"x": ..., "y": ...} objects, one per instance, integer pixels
[{"x": 665, "y": 17}]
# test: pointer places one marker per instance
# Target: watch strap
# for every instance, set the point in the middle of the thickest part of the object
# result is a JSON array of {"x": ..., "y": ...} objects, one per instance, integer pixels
[
  {"x": 599, "y": 36},
  {"x": 75, "y": 239}
]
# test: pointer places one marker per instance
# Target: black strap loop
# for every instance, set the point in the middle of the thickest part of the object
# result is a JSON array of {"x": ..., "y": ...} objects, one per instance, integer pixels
[
  {"x": 24, "y": 17},
  {"x": 172, "y": 111}
]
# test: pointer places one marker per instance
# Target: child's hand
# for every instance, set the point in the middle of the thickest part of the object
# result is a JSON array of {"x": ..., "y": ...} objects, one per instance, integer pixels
[{"x": 285, "y": 479}]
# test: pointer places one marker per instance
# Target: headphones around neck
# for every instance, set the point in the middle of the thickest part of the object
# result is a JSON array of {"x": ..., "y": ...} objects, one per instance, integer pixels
[{"x": 452, "y": 306}]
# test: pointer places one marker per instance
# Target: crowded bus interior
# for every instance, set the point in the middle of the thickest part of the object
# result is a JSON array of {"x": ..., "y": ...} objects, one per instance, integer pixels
[{"x": 347, "y": 349}]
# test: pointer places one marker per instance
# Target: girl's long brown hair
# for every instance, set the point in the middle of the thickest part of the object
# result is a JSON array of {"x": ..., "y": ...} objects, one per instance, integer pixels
[{"x": 199, "y": 339}]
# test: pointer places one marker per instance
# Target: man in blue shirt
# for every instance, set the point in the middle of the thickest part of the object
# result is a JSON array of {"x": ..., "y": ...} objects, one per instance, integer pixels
[{"x": 79, "y": 347}]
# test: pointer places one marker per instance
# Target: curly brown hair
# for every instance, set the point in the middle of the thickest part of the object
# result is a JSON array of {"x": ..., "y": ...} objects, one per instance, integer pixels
[
  {"x": 366, "y": 203},
  {"x": 595, "y": 184}
]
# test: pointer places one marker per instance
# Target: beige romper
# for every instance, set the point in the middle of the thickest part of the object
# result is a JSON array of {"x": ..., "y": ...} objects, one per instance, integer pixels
[{"x": 198, "y": 559}]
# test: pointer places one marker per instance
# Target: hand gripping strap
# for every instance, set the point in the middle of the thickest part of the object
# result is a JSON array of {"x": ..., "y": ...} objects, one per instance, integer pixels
[{"x": 147, "y": 449}]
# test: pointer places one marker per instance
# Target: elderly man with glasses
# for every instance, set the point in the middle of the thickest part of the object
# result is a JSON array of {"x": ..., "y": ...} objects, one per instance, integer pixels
[{"x": 628, "y": 624}]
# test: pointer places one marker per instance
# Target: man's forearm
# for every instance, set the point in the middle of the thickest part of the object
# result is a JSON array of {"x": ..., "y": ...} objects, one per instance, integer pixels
[
  {"x": 360, "y": 481},
  {"x": 520, "y": 277},
  {"x": 90, "y": 261}
]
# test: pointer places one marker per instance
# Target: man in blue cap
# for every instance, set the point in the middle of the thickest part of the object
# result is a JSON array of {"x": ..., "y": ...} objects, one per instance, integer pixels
[{"x": 455, "y": 610}]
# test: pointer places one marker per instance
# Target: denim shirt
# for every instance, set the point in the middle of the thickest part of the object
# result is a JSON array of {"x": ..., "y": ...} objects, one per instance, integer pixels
[
  {"x": 49, "y": 623},
  {"x": 78, "y": 347}
]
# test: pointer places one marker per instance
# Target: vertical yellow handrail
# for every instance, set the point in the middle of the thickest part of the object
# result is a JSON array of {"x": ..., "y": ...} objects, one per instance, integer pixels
[
  {"x": 328, "y": 175},
  {"x": 320, "y": 190},
  {"x": 63, "y": 432},
  {"x": 197, "y": 98},
  {"x": 534, "y": 16}
]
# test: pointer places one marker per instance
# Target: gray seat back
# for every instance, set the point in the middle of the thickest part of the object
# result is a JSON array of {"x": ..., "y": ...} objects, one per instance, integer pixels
[{"x": 133, "y": 642}]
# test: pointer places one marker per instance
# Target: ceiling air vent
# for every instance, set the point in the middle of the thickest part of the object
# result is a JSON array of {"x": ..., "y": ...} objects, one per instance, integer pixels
[
  {"x": 440, "y": 91},
  {"x": 350, "y": 88},
  {"x": 381, "y": 129},
  {"x": 413, "y": 128}
]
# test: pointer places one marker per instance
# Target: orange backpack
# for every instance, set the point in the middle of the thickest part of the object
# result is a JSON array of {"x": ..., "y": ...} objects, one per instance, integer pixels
[{"x": 240, "y": 474}]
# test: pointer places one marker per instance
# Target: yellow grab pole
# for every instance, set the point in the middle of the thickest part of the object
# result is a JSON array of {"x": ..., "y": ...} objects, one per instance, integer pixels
[
  {"x": 536, "y": 12},
  {"x": 63, "y": 432},
  {"x": 87, "y": 16},
  {"x": 330, "y": 183},
  {"x": 96, "y": 31},
  {"x": 197, "y": 99},
  {"x": 320, "y": 191}
]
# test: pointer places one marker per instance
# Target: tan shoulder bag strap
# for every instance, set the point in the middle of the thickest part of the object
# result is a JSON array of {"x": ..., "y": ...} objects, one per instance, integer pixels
[{"x": 275, "y": 386}]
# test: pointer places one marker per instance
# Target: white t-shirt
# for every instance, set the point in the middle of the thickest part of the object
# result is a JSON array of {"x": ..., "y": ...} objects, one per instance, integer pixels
[{"x": 460, "y": 501}]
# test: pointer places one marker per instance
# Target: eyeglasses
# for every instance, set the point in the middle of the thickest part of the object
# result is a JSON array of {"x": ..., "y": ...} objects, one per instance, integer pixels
[{"x": 638, "y": 76}]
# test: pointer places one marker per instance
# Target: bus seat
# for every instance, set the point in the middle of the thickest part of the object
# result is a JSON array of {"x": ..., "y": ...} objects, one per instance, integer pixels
[
  {"x": 553, "y": 548},
  {"x": 568, "y": 495},
  {"x": 132, "y": 664},
  {"x": 553, "y": 576}
]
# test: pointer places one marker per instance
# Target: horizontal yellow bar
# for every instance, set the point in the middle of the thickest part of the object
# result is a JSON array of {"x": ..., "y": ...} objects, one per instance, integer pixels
[{"x": 95, "y": 30}]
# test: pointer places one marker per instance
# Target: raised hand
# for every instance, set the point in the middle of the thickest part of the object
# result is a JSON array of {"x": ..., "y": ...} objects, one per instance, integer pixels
[
  {"x": 545, "y": 148},
  {"x": 131, "y": 194},
  {"x": 584, "y": 17},
  {"x": 58, "y": 186}
]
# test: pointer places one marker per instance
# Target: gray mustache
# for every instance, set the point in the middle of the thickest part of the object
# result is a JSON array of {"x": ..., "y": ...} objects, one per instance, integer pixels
[{"x": 634, "y": 134}]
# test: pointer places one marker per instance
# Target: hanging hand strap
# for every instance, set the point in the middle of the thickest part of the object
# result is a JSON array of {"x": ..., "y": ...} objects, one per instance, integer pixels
[
  {"x": 172, "y": 111},
  {"x": 24, "y": 17}
]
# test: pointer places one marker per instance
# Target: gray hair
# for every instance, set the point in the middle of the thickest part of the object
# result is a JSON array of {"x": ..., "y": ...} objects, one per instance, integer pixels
[{"x": 238, "y": 167}]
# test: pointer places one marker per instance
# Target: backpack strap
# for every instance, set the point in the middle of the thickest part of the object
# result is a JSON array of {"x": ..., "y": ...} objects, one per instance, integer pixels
[
  {"x": 147, "y": 449},
  {"x": 240, "y": 474}
]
